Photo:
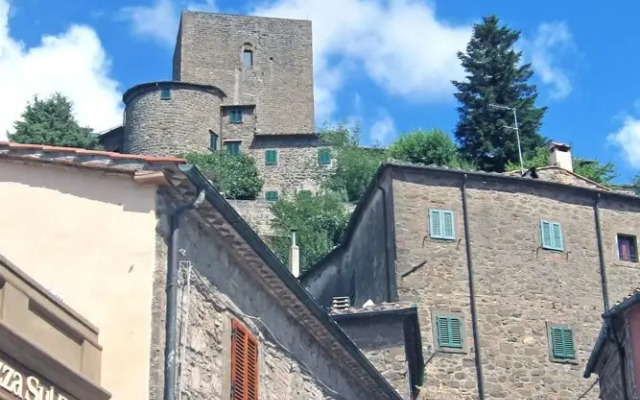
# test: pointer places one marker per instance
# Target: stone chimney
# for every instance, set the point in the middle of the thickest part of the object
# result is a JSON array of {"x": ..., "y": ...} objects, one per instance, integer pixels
[
  {"x": 294, "y": 256},
  {"x": 560, "y": 156}
]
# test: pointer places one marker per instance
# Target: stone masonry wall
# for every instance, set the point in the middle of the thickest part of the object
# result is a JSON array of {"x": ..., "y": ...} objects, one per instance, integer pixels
[
  {"x": 257, "y": 213},
  {"x": 280, "y": 82},
  {"x": 218, "y": 291},
  {"x": 171, "y": 127},
  {"x": 382, "y": 341},
  {"x": 520, "y": 287}
]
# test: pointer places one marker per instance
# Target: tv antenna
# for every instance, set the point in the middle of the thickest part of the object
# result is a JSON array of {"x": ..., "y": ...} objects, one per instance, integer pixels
[{"x": 517, "y": 129}]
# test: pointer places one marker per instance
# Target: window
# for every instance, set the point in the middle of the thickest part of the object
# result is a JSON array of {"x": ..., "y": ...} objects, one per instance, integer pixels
[
  {"x": 244, "y": 363},
  {"x": 306, "y": 193},
  {"x": 449, "y": 332},
  {"x": 324, "y": 156},
  {"x": 233, "y": 147},
  {"x": 271, "y": 195},
  {"x": 270, "y": 157},
  {"x": 247, "y": 58},
  {"x": 235, "y": 115},
  {"x": 442, "y": 224},
  {"x": 213, "y": 141},
  {"x": 165, "y": 94},
  {"x": 627, "y": 248},
  {"x": 561, "y": 343},
  {"x": 551, "y": 234}
]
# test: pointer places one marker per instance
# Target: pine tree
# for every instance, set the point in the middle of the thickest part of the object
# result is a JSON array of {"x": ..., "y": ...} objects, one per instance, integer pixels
[
  {"x": 51, "y": 122},
  {"x": 495, "y": 76}
]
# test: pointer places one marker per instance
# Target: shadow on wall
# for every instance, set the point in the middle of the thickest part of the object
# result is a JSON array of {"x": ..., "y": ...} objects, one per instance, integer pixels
[{"x": 75, "y": 182}]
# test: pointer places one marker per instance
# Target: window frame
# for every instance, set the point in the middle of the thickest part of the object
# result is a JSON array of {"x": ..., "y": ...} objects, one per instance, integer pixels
[
  {"x": 228, "y": 144},
  {"x": 441, "y": 235},
  {"x": 435, "y": 317},
  {"x": 552, "y": 245},
  {"x": 321, "y": 159},
  {"x": 266, "y": 195},
  {"x": 249, "y": 376},
  {"x": 244, "y": 59},
  {"x": 165, "y": 93},
  {"x": 633, "y": 254},
  {"x": 572, "y": 359},
  {"x": 214, "y": 139},
  {"x": 268, "y": 162},
  {"x": 235, "y": 115}
]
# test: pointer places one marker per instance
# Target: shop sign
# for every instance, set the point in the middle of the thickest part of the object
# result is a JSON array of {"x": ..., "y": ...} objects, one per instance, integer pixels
[{"x": 22, "y": 385}]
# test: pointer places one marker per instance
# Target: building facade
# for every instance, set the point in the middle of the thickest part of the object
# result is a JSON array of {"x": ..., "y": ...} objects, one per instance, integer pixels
[
  {"x": 509, "y": 274},
  {"x": 102, "y": 231}
]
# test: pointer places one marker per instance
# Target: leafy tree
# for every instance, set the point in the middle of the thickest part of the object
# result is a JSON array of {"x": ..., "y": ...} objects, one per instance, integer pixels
[
  {"x": 594, "y": 170},
  {"x": 427, "y": 147},
  {"x": 537, "y": 158},
  {"x": 319, "y": 221},
  {"x": 355, "y": 165},
  {"x": 234, "y": 175},
  {"x": 494, "y": 75},
  {"x": 51, "y": 122}
]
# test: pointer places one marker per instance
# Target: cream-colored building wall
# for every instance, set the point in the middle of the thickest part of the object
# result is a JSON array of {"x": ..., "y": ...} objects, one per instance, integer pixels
[{"x": 90, "y": 238}]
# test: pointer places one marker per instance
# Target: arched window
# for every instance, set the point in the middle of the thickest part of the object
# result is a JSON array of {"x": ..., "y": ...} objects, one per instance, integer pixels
[{"x": 247, "y": 55}]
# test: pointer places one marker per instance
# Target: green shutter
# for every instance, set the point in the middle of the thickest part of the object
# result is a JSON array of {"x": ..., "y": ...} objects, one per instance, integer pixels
[
  {"x": 324, "y": 157},
  {"x": 456, "y": 332},
  {"x": 449, "y": 332},
  {"x": 271, "y": 195},
  {"x": 545, "y": 233},
  {"x": 562, "y": 343},
  {"x": 235, "y": 115},
  {"x": 448, "y": 226},
  {"x": 213, "y": 142},
  {"x": 442, "y": 224},
  {"x": 435, "y": 224},
  {"x": 556, "y": 229},
  {"x": 165, "y": 94},
  {"x": 551, "y": 234},
  {"x": 442, "y": 325},
  {"x": 569, "y": 350},
  {"x": 270, "y": 157},
  {"x": 233, "y": 147},
  {"x": 557, "y": 342}
]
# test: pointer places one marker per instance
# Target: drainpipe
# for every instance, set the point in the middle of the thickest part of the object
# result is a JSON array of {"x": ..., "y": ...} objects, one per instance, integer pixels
[
  {"x": 389, "y": 268},
  {"x": 621, "y": 355},
  {"x": 603, "y": 272},
  {"x": 172, "y": 296},
  {"x": 472, "y": 297}
]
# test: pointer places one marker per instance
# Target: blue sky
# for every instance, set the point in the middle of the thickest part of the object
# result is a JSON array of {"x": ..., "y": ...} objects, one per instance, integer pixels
[{"x": 385, "y": 64}]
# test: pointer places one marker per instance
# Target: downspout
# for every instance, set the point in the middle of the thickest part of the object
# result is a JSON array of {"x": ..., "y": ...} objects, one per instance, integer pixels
[
  {"x": 172, "y": 296},
  {"x": 472, "y": 297},
  {"x": 622, "y": 355},
  {"x": 603, "y": 272},
  {"x": 388, "y": 267}
]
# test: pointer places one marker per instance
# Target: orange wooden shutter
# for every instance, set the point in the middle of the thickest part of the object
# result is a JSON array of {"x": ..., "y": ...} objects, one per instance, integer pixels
[{"x": 244, "y": 363}]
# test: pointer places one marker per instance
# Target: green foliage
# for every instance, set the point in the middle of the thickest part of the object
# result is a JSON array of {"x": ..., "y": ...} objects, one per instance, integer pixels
[
  {"x": 236, "y": 176},
  {"x": 319, "y": 221},
  {"x": 635, "y": 184},
  {"x": 495, "y": 75},
  {"x": 537, "y": 158},
  {"x": 51, "y": 122},
  {"x": 425, "y": 147},
  {"x": 355, "y": 165},
  {"x": 594, "y": 170}
]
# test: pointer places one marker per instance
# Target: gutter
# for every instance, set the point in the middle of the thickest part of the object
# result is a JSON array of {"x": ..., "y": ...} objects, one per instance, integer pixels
[
  {"x": 603, "y": 272},
  {"x": 282, "y": 272},
  {"x": 172, "y": 296},
  {"x": 472, "y": 297}
]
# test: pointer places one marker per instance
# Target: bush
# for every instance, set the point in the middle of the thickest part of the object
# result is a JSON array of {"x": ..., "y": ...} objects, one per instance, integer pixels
[
  {"x": 426, "y": 147},
  {"x": 235, "y": 176},
  {"x": 319, "y": 221}
]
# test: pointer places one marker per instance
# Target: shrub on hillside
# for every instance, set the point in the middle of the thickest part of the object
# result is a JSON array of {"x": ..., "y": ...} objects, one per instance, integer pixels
[{"x": 234, "y": 175}]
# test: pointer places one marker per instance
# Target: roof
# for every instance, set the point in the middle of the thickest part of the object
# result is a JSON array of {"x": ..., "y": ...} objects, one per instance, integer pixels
[
  {"x": 148, "y": 86},
  {"x": 631, "y": 300},
  {"x": 480, "y": 176}
]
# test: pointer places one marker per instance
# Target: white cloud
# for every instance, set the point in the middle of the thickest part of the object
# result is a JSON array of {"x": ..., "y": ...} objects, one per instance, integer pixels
[
  {"x": 383, "y": 129},
  {"x": 552, "y": 40},
  {"x": 72, "y": 63},
  {"x": 159, "y": 21},
  {"x": 399, "y": 44},
  {"x": 627, "y": 138}
]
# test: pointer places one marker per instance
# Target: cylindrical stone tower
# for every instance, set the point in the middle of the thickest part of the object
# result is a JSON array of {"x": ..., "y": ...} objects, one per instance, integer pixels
[{"x": 171, "y": 118}]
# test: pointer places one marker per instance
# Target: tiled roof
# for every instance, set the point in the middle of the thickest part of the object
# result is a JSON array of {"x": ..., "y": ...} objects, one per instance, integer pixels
[{"x": 95, "y": 159}]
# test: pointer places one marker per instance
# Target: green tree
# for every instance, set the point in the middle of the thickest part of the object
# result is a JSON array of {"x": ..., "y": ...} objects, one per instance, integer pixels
[
  {"x": 319, "y": 221},
  {"x": 537, "y": 158},
  {"x": 426, "y": 147},
  {"x": 51, "y": 122},
  {"x": 234, "y": 175},
  {"x": 594, "y": 170},
  {"x": 355, "y": 165},
  {"x": 494, "y": 76}
]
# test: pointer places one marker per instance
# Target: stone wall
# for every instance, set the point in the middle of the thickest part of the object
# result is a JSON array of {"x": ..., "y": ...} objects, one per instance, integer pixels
[
  {"x": 170, "y": 127},
  {"x": 257, "y": 213},
  {"x": 280, "y": 81},
  {"x": 218, "y": 288},
  {"x": 519, "y": 287}
]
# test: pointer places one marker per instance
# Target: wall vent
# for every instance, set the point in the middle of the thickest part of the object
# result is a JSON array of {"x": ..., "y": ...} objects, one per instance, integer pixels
[{"x": 340, "y": 303}]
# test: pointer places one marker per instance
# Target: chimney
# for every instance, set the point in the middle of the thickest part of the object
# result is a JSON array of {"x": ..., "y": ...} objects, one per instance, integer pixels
[
  {"x": 294, "y": 256},
  {"x": 560, "y": 156}
]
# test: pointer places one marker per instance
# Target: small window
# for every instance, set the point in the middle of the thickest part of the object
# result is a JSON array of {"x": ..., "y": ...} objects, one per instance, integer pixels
[
  {"x": 247, "y": 58},
  {"x": 324, "y": 156},
  {"x": 233, "y": 147},
  {"x": 627, "y": 248},
  {"x": 271, "y": 195},
  {"x": 551, "y": 234},
  {"x": 442, "y": 224},
  {"x": 561, "y": 343},
  {"x": 305, "y": 193},
  {"x": 165, "y": 94},
  {"x": 244, "y": 363},
  {"x": 213, "y": 141},
  {"x": 270, "y": 157},
  {"x": 235, "y": 115},
  {"x": 449, "y": 332}
]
